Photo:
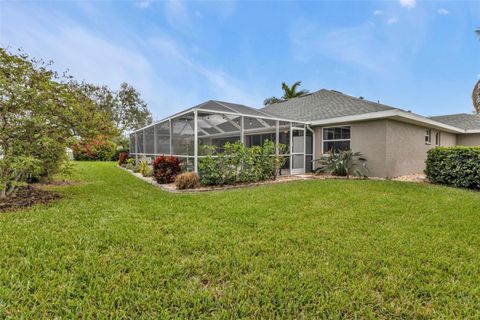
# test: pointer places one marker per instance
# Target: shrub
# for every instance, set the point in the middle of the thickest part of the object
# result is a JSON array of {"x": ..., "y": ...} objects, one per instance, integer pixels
[
  {"x": 145, "y": 169},
  {"x": 239, "y": 163},
  {"x": 454, "y": 166},
  {"x": 187, "y": 180},
  {"x": 122, "y": 158},
  {"x": 344, "y": 163},
  {"x": 166, "y": 168},
  {"x": 118, "y": 152},
  {"x": 15, "y": 171},
  {"x": 130, "y": 164},
  {"x": 98, "y": 149}
]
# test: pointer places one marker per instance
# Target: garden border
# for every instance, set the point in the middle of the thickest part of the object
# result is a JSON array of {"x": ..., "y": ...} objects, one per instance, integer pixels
[{"x": 170, "y": 187}]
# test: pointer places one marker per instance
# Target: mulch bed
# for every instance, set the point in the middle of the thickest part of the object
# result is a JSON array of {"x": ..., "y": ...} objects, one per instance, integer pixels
[{"x": 28, "y": 196}]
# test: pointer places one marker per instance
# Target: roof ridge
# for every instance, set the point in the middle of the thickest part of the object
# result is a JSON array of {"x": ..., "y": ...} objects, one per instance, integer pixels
[
  {"x": 364, "y": 100},
  {"x": 456, "y": 114}
]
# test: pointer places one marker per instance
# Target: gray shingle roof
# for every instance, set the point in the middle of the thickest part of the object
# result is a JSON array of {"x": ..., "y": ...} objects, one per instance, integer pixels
[
  {"x": 461, "y": 120},
  {"x": 324, "y": 104}
]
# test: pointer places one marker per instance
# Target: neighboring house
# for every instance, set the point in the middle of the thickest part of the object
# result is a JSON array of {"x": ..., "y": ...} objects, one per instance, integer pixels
[{"x": 394, "y": 141}]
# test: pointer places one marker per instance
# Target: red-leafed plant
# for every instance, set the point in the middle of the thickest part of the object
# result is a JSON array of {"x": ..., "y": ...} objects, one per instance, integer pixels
[
  {"x": 122, "y": 158},
  {"x": 99, "y": 148},
  {"x": 166, "y": 168}
]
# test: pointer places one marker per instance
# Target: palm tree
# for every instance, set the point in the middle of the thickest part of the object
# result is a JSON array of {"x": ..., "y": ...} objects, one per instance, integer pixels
[
  {"x": 476, "y": 89},
  {"x": 476, "y": 97},
  {"x": 288, "y": 93}
]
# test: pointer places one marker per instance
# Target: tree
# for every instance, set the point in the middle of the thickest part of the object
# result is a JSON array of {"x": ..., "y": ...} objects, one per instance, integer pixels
[
  {"x": 476, "y": 88},
  {"x": 271, "y": 100},
  {"x": 476, "y": 97},
  {"x": 40, "y": 113},
  {"x": 288, "y": 93},
  {"x": 126, "y": 109}
]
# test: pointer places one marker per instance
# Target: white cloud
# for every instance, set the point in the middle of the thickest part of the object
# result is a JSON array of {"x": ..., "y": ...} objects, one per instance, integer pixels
[
  {"x": 219, "y": 83},
  {"x": 392, "y": 20},
  {"x": 443, "y": 11},
  {"x": 357, "y": 47},
  {"x": 378, "y": 13},
  {"x": 168, "y": 79},
  {"x": 409, "y": 4}
]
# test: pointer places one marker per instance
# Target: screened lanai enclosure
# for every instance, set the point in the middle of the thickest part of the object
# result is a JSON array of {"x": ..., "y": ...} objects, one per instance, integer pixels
[{"x": 184, "y": 134}]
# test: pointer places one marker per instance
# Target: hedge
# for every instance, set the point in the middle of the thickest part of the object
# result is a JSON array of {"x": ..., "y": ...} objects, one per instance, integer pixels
[
  {"x": 240, "y": 164},
  {"x": 454, "y": 166}
]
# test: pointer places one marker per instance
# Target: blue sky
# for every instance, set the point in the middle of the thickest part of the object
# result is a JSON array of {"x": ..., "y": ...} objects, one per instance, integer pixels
[{"x": 421, "y": 56}]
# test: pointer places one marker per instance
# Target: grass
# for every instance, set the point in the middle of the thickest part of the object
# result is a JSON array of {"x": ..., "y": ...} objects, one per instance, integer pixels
[{"x": 116, "y": 247}]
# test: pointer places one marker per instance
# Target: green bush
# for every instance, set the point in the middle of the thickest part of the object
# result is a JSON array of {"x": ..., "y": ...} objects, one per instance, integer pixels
[
  {"x": 145, "y": 169},
  {"x": 454, "y": 166},
  {"x": 343, "y": 163},
  {"x": 239, "y": 163},
  {"x": 15, "y": 171},
  {"x": 130, "y": 164}
]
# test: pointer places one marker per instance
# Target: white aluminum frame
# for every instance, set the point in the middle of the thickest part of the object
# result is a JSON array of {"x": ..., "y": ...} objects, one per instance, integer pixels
[{"x": 242, "y": 132}]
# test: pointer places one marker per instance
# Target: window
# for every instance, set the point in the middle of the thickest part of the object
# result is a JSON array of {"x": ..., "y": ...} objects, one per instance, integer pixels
[
  {"x": 437, "y": 138},
  {"x": 428, "y": 136},
  {"x": 336, "y": 139}
]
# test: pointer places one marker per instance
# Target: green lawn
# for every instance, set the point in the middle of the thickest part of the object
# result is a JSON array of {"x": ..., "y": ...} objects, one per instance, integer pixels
[{"x": 118, "y": 247}]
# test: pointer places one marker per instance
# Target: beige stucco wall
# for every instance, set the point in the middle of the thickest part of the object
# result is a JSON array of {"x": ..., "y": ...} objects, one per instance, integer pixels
[
  {"x": 392, "y": 148},
  {"x": 406, "y": 147},
  {"x": 367, "y": 137},
  {"x": 471, "y": 139}
]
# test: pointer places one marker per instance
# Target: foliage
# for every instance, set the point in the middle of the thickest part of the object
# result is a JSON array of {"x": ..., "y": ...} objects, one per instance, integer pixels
[
  {"x": 476, "y": 97},
  {"x": 298, "y": 250},
  {"x": 288, "y": 93},
  {"x": 41, "y": 112},
  {"x": 239, "y": 163},
  {"x": 291, "y": 92},
  {"x": 66, "y": 169},
  {"x": 271, "y": 100},
  {"x": 476, "y": 88},
  {"x": 454, "y": 166},
  {"x": 187, "y": 180},
  {"x": 344, "y": 163},
  {"x": 145, "y": 169},
  {"x": 15, "y": 171},
  {"x": 122, "y": 158},
  {"x": 118, "y": 152},
  {"x": 124, "y": 107},
  {"x": 99, "y": 148},
  {"x": 130, "y": 164},
  {"x": 166, "y": 168}
]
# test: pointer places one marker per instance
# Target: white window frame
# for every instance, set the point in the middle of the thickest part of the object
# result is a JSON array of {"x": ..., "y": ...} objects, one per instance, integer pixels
[
  {"x": 428, "y": 136},
  {"x": 330, "y": 140},
  {"x": 438, "y": 138}
]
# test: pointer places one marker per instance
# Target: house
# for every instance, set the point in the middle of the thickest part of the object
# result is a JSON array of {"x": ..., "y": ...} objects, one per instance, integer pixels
[{"x": 394, "y": 141}]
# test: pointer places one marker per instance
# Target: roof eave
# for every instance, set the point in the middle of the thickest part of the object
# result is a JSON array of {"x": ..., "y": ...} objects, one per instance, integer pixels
[
  {"x": 472, "y": 131},
  {"x": 396, "y": 114}
]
